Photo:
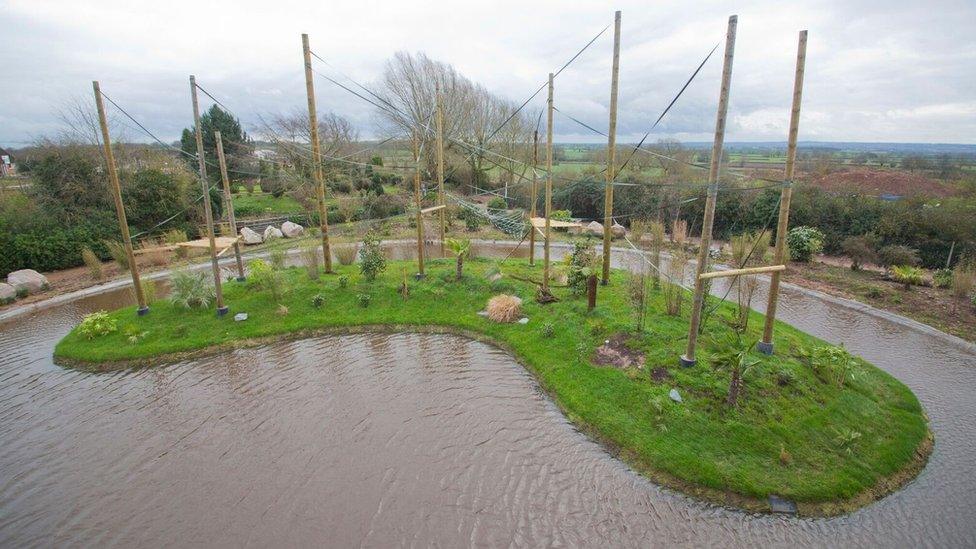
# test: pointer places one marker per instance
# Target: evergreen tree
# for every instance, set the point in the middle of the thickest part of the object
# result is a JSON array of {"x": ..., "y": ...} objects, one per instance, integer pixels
[{"x": 237, "y": 145}]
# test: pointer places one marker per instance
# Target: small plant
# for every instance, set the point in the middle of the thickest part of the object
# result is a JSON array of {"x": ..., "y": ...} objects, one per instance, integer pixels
[
  {"x": 277, "y": 257},
  {"x": 174, "y": 236},
  {"x": 282, "y": 310},
  {"x": 497, "y": 203},
  {"x": 582, "y": 351},
  {"x": 343, "y": 281},
  {"x": 581, "y": 265},
  {"x": 93, "y": 263},
  {"x": 346, "y": 253},
  {"x": 148, "y": 292},
  {"x": 22, "y": 293},
  {"x": 561, "y": 215},
  {"x": 548, "y": 330},
  {"x": 472, "y": 220},
  {"x": 963, "y": 281},
  {"x": 874, "y": 292},
  {"x": 504, "y": 308},
  {"x": 907, "y": 275},
  {"x": 191, "y": 289},
  {"x": 804, "y": 243},
  {"x": 117, "y": 251},
  {"x": 736, "y": 358},
  {"x": 637, "y": 292},
  {"x": 264, "y": 277},
  {"x": 831, "y": 364},
  {"x": 97, "y": 324},
  {"x": 371, "y": 260},
  {"x": 364, "y": 300},
  {"x": 889, "y": 256},
  {"x": 671, "y": 288},
  {"x": 785, "y": 458},
  {"x": 311, "y": 258},
  {"x": 942, "y": 278},
  {"x": 845, "y": 439},
  {"x": 860, "y": 250},
  {"x": 318, "y": 300},
  {"x": 133, "y": 335},
  {"x": 460, "y": 248}
]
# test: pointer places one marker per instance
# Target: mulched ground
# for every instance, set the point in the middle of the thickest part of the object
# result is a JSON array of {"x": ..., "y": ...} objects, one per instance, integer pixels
[{"x": 615, "y": 352}]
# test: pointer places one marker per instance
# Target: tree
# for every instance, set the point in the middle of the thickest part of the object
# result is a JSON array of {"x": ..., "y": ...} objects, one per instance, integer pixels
[
  {"x": 460, "y": 248},
  {"x": 237, "y": 145}
]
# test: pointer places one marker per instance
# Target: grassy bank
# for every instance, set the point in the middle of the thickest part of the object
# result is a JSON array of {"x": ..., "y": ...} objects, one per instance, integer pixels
[{"x": 796, "y": 432}]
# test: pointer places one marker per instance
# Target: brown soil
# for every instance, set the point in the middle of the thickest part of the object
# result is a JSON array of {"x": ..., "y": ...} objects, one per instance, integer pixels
[
  {"x": 616, "y": 353},
  {"x": 659, "y": 374},
  {"x": 878, "y": 182}
]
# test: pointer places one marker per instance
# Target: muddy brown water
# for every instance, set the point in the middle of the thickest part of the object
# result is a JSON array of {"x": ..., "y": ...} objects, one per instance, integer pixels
[{"x": 417, "y": 440}]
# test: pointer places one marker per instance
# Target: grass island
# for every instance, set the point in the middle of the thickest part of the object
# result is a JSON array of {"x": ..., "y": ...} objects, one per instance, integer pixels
[{"x": 811, "y": 424}]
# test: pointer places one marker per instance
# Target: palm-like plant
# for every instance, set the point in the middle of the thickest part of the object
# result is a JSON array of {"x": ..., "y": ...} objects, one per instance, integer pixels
[
  {"x": 461, "y": 248},
  {"x": 736, "y": 358}
]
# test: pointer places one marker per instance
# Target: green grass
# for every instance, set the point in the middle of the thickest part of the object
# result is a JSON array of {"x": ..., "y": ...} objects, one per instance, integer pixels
[
  {"x": 261, "y": 203},
  {"x": 701, "y": 445}
]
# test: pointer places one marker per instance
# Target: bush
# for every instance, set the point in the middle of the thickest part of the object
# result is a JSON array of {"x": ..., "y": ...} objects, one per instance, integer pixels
[
  {"x": 93, "y": 263},
  {"x": 191, "y": 288},
  {"x": 804, "y": 242},
  {"x": 890, "y": 256},
  {"x": 263, "y": 276},
  {"x": 504, "y": 308},
  {"x": 907, "y": 275},
  {"x": 942, "y": 278},
  {"x": 560, "y": 215},
  {"x": 343, "y": 281},
  {"x": 581, "y": 265},
  {"x": 548, "y": 330},
  {"x": 371, "y": 260},
  {"x": 497, "y": 203},
  {"x": 860, "y": 250},
  {"x": 364, "y": 300},
  {"x": 318, "y": 300},
  {"x": 472, "y": 220},
  {"x": 97, "y": 324},
  {"x": 346, "y": 253}
]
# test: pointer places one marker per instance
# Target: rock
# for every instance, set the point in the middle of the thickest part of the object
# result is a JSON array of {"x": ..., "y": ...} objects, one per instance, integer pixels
[
  {"x": 291, "y": 230},
  {"x": 593, "y": 228},
  {"x": 523, "y": 320},
  {"x": 240, "y": 317},
  {"x": 7, "y": 293},
  {"x": 781, "y": 505},
  {"x": 272, "y": 232},
  {"x": 618, "y": 230},
  {"x": 28, "y": 279},
  {"x": 494, "y": 277},
  {"x": 483, "y": 313},
  {"x": 675, "y": 395},
  {"x": 251, "y": 237}
]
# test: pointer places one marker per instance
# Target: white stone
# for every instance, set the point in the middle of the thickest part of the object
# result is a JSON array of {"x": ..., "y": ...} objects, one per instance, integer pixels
[
  {"x": 291, "y": 230},
  {"x": 240, "y": 317},
  {"x": 594, "y": 228},
  {"x": 675, "y": 395},
  {"x": 523, "y": 320},
  {"x": 272, "y": 232},
  {"x": 7, "y": 293},
  {"x": 251, "y": 237},
  {"x": 28, "y": 279}
]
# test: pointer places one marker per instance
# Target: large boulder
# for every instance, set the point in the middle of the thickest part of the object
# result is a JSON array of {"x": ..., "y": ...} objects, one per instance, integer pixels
[
  {"x": 251, "y": 237},
  {"x": 271, "y": 232},
  {"x": 27, "y": 279},
  {"x": 291, "y": 230},
  {"x": 7, "y": 293},
  {"x": 594, "y": 228},
  {"x": 618, "y": 230}
]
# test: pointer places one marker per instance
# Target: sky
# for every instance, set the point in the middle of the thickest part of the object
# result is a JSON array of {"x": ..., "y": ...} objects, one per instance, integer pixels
[{"x": 877, "y": 71}]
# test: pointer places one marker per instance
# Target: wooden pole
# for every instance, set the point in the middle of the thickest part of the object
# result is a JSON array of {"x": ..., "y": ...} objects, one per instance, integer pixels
[
  {"x": 207, "y": 212},
  {"x": 113, "y": 177},
  {"x": 745, "y": 271},
  {"x": 313, "y": 127},
  {"x": 441, "y": 197},
  {"x": 229, "y": 204},
  {"x": 688, "y": 359},
  {"x": 766, "y": 345},
  {"x": 534, "y": 195},
  {"x": 420, "y": 215},
  {"x": 611, "y": 150},
  {"x": 545, "y": 253}
]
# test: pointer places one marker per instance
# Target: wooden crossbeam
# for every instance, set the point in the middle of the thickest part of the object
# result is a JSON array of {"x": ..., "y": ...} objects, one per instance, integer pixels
[
  {"x": 432, "y": 209},
  {"x": 748, "y": 271}
]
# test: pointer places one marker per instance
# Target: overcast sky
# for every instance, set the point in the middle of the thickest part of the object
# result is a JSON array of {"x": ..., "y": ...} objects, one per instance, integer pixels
[{"x": 889, "y": 71}]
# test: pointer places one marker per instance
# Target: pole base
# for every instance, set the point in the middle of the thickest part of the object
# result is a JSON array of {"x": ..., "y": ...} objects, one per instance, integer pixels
[
  {"x": 765, "y": 348},
  {"x": 221, "y": 311},
  {"x": 241, "y": 278},
  {"x": 143, "y": 311},
  {"x": 686, "y": 362},
  {"x": 419, "y": 276}
]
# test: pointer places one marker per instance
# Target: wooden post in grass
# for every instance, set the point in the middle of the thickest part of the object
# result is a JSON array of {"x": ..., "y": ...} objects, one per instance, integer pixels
[
  {"x": 440, "y": 167},
  {"x": 534, "y": 195},
  {"x": 611, "y": 149},
  {"x": 313, "y": 131},
  {"x": 688, "y": 359},
  {"x": 545, "y": 252},
  {"x": 420, "y": 214},
  {"x": 766, "y": 344},
  {"x": 205, "y": 187},
  {"x": 113, "y": 177},
  {"x": 229, "y": 204}
]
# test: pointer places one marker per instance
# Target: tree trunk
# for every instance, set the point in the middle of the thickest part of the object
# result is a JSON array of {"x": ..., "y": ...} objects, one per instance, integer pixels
[
  {"x": 590, "y": 292},
  {"x": 734, "y": 387},
  {"x": 460, "y": 266}
]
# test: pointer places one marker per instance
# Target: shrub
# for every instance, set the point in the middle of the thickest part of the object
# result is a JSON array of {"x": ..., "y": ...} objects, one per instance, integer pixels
[
  {"x": 560, "y": 215},
  {"x": 277, "y": 257},
  {"x": 343, "y": 281},
  {"x": 318, "y": 300},
  {"x": 265, "y": 277},
  {"x": 191, "y": 288},
  {"x": 472, "y": 220},
  {"x": 804, "y": 243},
  {"x": 97, "y": 324},
  {"x": 860, "y": 250},
  {"x": 582, "y": 264},
  {"x": 117, "y": 251},
  {"x": 346, "y": 253},
  {"x": 371, "y": 260},
  {"x": 364, "y": 300},
  {"x": 942, "y": 278},
  {"x": 907, "y": 275},
  {"x": 963, "y": 280},
  {"x": 504, "y": 308},
  {"x": 93, "y": 263},
  {"x": 174, "y": 236},
  {"x": 548, "y": 330},
  {"x": 831, "y": 364},
  {"x": 890, "y": 256},
  {"x": 497, "y": 203}
]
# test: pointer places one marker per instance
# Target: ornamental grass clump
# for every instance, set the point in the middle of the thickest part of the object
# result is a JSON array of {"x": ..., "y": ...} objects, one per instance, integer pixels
[
  {"x": 504, "y": 308},
  {"x": 191, "y": 289},
  {"x": 93, "y": 263},
  {"x": 346, "y": 253}
]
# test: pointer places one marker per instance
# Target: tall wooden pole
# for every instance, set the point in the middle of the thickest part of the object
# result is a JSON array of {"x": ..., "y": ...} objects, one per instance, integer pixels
[
  {"x": 229, "y": 204},
  {"x": 205, "y": 187},
  {"x": 420, "y": 215},
  {"x": 688, "y": 359},
  {"x": 766, "y": 345},
  {"x": 545, "y": 252},
  {"x": 113, "y": 177},
  {"x": 313, "y": 126},
  {"x": 441, "y": 197},
  {"x": 611, "y": 151},
  {"x": 534, "y": 195}
]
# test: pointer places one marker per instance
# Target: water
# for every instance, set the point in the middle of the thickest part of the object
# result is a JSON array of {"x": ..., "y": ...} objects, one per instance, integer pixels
[{"x": 419, "y": 440}]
